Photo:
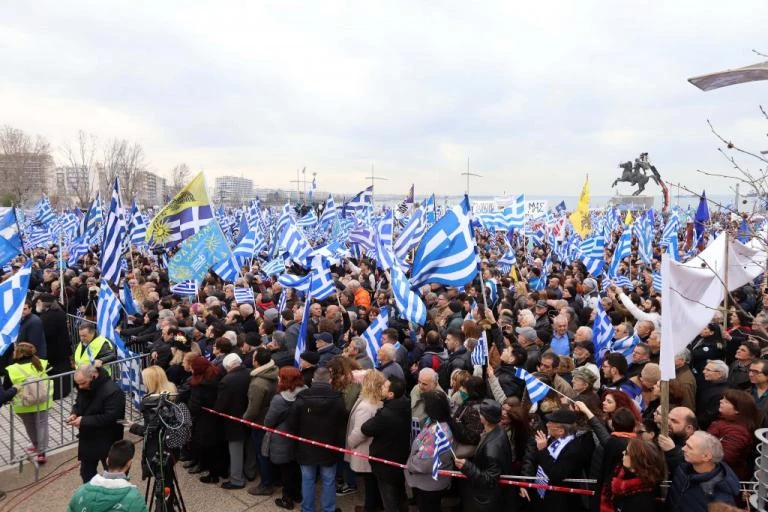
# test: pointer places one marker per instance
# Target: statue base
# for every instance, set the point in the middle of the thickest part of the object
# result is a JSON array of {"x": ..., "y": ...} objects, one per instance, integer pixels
[{"x": 632, "y": 202}]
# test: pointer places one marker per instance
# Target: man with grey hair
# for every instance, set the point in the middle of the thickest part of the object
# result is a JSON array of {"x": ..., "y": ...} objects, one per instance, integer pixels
[
  {"x": 428, "y": 381},
  {"x": 703, "y": 478},
  {"x": 685, "y": 378},
  {"x": 356, "y": 350},
  {"x": 232, "y": 399},
  {"x": 527, "y": 337},
  {"x": 388, "y": 366},
  {"x": 99, "y": 405}
]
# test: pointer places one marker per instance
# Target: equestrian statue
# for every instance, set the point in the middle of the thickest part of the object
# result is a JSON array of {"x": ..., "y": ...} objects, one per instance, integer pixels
[{"x": 638, "y": 174}]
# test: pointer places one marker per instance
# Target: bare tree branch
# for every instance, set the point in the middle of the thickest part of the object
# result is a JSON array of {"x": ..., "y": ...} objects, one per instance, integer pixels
[
  {"x": 24, "y": 164},
  {"x": 79, "y": 174}
]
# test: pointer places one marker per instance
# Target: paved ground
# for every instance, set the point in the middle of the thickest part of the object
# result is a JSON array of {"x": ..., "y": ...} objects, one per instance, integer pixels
[{"x": 60, "y": 477}]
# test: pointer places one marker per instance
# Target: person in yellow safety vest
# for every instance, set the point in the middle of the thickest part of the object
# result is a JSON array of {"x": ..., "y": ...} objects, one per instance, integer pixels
[
  {"x": 92, "y": 349},
  {"x": 34, "y": 417}
]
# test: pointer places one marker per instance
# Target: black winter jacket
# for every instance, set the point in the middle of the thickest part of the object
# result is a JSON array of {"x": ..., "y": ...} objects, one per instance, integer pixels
[
  {"x": 319, "y": 414},
  {"x": 391, "y": 433}
]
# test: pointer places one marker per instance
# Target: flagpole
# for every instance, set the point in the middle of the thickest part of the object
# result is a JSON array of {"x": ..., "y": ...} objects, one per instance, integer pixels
[
  {"x": 725, "y": 282},
  {"x": 61, "y": 269}
]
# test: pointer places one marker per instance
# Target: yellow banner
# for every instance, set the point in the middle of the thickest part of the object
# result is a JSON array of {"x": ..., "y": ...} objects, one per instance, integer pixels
[
  {"x": 580, "y": 216},
  {"x": 194, "y": 194}
]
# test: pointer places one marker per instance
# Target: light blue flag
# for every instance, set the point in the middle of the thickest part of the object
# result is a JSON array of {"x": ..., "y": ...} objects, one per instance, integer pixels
[
  {"x": 227, "y": 269},
  {"x": 372, "y": 334},
  {"x": 383, "y": 241},
  {"x": 130, "y": 306},
  {"x": 536, "y": 389},
  {"x": 329, "y": 213},
  {"x": 197, "y": 254},
  {"x": 301, "y": 342},
  {"x": 14, "y": 293},
  {"x": 184, "y": 288},
  {"x": 299, "y": 283},
  {"x": 446, "y": 254},
  {"x": 410, "y": 305},
  {"x": 244, "y": 295},
  {"x": 442, "y": 445},
  {"x": 480, "y": 352},
  {"x": 274, "y": 267}
]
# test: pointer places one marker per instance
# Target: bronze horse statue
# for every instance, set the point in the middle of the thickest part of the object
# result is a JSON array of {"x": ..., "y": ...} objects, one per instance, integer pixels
[{"x": 633, "y": 174}]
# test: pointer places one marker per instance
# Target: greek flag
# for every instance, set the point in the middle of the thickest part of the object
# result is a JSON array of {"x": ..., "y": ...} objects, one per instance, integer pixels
[
  {"x": 408, "y": 302},
  {"x": 657, "y": 281},
  {"x": 602, "y": 333},
  {"x": 430, "y": 213},
  {"x": 322, "y": 279},
  {"x": 536, "y": 389},
  {"x": 623, "y": 282},
  {"x": 244, "y": 251},
  {"x": 480, "y": 352},
  {"x": 184, "y": 288},
  {"x": 301, "y": 342},
  {"x": 114, "y": 234},
  {"x": 372, "y": 334},
  {"x": 295, "y": 244},
  {"x": 37, "y": 236},
  {"x": 360, "y": 202},
  {"x": 442, "y": 445},
  {"x": 300, "y": 283},
  {"x": 623, "y": 249},
  {"x": 625, "y": 345},
  {"x": 362, "y": 235},
  {"x": 14, "y": 293},
  {"x": 410, "y": 236},
  {"x": 307, "y": 221},
  {"x": 43, "y": 212},
  {"x": 383, "y": 240},
  {"x": 244, "y": 295},
  {"x": 669, "y": 236},
  {"x": 515, "y": 215},
  {"x": 446, "y": 254},
  {"x": 107, "y": 316},
  {"x": 334, "y": 252},
  {"x": 329, "y": 213},
  {"x": 138, "y": 226},
  {"x": 644, "y": 232},
  {"x": 594, "y": 266},
  {"x": 227, "y": 269},
  {"x": 507, "y": 261},
  {"x": 76, "y": 251},
  {"x": 130, "y": 305},
  {"x": 274, "y": 267},
  {"x": 593, "y": 247}
]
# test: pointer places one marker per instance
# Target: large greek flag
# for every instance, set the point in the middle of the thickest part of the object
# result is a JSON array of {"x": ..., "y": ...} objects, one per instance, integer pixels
[
  {"x": 329, "y": 213},
  {"x": 114, "y": 234},
  {"x": 372, "y": 334},
  {"x": 446, "y": 254},
  {"x": 13, "y": 293},
  {"x": 602, "y": 333},
  {"x": 623, "y": 249},
  {"x": 383, "y": 240}
]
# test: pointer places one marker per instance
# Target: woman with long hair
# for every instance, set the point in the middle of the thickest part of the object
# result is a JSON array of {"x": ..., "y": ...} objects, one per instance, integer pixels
[
  {"x": 26, "y": 365},
  {"x": 635, "y": 484},
  {"x": 418, "y": 473},
  {"x": 458, "y": 378},
  {"x": 614, "y": 400},
  {"x": 206, "y": 446},
  {"x": 365, "y": 408},
  {"x": 734, "y": 427},
  {"x": 290, "y": 383}
]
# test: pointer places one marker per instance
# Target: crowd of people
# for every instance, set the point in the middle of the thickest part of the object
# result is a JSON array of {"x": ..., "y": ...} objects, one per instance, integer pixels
[{"x": 599, "y": 420}]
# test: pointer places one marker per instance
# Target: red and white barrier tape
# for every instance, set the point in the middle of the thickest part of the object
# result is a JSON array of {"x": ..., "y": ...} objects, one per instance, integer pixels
[{"x": 455, "y": 474}]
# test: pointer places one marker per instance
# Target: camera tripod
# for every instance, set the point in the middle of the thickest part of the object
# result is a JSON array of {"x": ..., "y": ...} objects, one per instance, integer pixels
[{"x": 166, "y": 494}]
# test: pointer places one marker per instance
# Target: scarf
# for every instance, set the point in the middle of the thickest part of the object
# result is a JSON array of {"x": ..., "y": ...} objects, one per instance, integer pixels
[
  {"x": 554, "y": 450},
  {"x": 623, "y": 484}
]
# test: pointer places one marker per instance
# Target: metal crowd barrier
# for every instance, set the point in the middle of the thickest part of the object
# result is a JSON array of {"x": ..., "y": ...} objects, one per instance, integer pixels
[
  {"x": 13, "y": 436},
  {"x": 759, "y": 498}
]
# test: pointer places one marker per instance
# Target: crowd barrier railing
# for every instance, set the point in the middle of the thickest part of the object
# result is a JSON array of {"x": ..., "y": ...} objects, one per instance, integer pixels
[
  {"x": 13, "y": 437},
  {"x": 759, "y": 497}
]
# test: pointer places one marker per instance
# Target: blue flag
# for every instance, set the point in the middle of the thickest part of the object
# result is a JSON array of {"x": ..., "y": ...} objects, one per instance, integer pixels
[
  {"x": 14, "y": 293},
  {"x": 198, "y": 253}
]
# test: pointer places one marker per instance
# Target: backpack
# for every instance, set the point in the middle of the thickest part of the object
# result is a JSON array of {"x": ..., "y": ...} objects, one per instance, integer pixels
[{"x": 34, "y": 390}]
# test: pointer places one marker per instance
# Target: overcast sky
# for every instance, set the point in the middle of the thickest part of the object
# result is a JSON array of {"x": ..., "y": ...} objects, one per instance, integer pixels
[{"x": 536, "y": 94}]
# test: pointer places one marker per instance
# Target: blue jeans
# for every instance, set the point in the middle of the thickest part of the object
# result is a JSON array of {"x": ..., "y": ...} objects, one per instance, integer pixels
[
  {"x": 328, "y": 492},
  {"x": 264, "y": 466}
]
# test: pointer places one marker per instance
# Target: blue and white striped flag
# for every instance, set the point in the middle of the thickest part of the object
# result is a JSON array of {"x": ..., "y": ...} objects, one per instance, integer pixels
[
  {"x": 358, "y": 204},
  {"x": 372, "y": 334},
  {"x": 625, "y": 346},
  {"x": 44, "y": 214},
  {"x": 274, "y": 267},
  {"x": 410, "y": 305},
  {"x": 446, "y": 254},
  {"x": 602, "y": 333},
  {"x": 480, "y": 352},
  {"x": 301, "y": 342},
  {"x": 138, "y": 226},
  {"x": 245, "y": 249},
  {"x": 536, "y": 389},
  {"x": 410, "y": 236},
  {"x": 14, "y": 293},
  {"x": 184, "y": 288},
  {"x": 227, "y": 269},
  {"x": 244, "y": 295},
  {"x": 329, "y": 213},
  {"x": 657, "y": 281},
  {"x": 623, "y": 249},
  {"x": 507, "y": 261},
  {"x": 322, "y": 280},
  {"x": 307, "y": 221},
  {"x": 669, "y": 236},
  {"x": 114, "y": 235},
  {"x": 107, "y": 317},
  {"x": 515, "y": 215},
  {"x": 623, "y": 282},
  {"x": 295, "y": 244},
  {"x": 442, "y": 445},
  {"x": 299, "y": 283},
  {"x": 383, "y": 240}
]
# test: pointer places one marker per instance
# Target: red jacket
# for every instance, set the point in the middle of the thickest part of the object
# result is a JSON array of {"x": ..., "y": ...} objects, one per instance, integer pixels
[{"x": 738, "y": 445}]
